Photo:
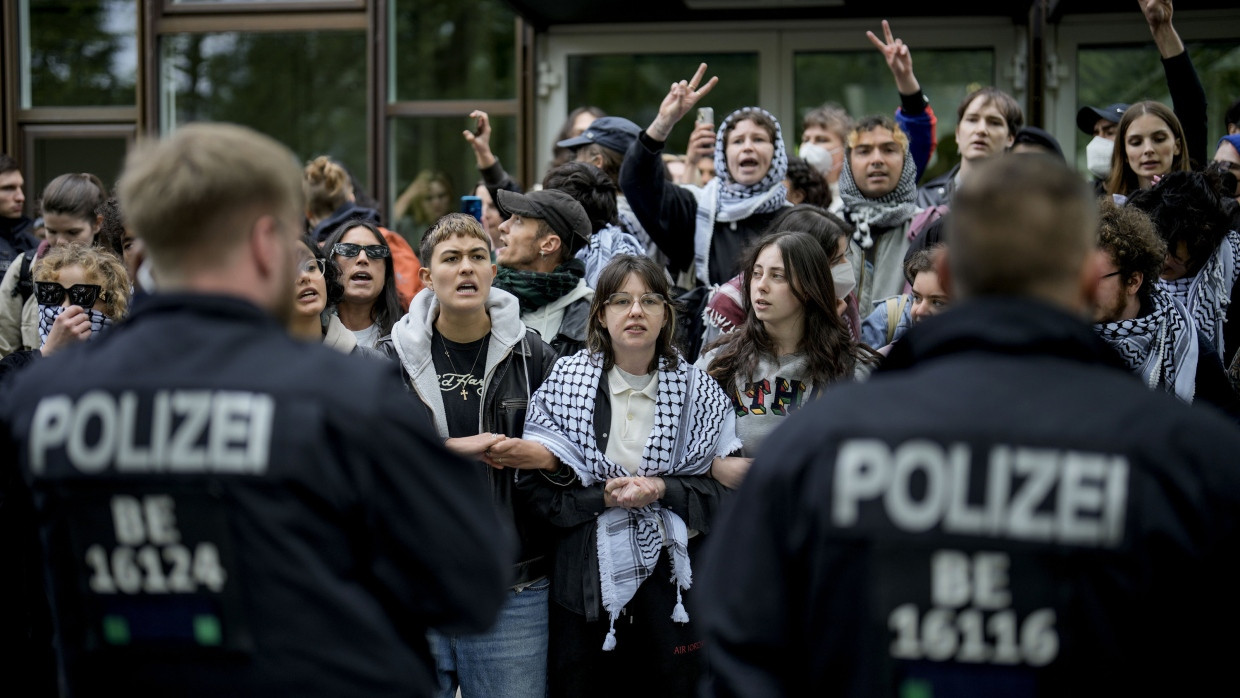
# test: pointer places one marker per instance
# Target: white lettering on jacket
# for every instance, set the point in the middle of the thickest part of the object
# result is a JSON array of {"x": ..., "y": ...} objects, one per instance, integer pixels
[
  {"x": 1030, "y": 494},
  {"x": 189, "y": 431}
]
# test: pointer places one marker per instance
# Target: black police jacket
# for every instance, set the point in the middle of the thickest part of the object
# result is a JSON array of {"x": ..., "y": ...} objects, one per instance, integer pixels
[
  {"x": 1001, "y": 510},
  {"x": 225, "y": 510}
]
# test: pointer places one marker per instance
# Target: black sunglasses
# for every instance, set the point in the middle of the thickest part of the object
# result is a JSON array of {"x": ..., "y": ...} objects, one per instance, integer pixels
[
  {"x": 348, "y": 249},
  {"x": 52, "y": 293}
]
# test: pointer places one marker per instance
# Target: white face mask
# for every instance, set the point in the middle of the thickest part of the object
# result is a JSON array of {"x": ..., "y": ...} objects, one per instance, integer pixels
[
  {"x": 818, "y": 157},
  {"x": 1098, "y": 156},
  {"x": 842, "y": 276}
]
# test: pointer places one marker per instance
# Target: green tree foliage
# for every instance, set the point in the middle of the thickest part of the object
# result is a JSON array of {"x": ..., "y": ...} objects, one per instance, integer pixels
[{"x": 82, "y": 52}]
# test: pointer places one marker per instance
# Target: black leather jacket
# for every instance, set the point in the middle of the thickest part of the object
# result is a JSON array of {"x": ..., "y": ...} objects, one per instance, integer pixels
[{"x": 507, "y": 396}]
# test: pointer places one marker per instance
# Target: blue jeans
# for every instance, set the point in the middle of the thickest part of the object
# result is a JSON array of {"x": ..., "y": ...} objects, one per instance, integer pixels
[{"x": 508, "y": 660}]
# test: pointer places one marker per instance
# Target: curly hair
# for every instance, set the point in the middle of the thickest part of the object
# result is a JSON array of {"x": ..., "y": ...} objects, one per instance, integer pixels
[
  {"x": 326, "y": 185},
  {"x": 610, "y": 281},
  {"x": 831, "y": 352},
  {"x": 1128, "y": 235},
  {"x": 99, "y": 265},
  {"x": 112, "y": 231},
  {"x": 591, "y": 187},
  {"x": 808, "y": 181},
  {"x": 1185, "y": 207}
]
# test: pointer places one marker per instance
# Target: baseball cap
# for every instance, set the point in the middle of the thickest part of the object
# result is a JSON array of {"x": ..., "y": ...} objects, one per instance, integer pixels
[
  {"x": 1088, "y": 116},
  {"x": 561, "y": 211},
  {"x": 614, "y": 132},
  {"x": 1039, "y": 137}
]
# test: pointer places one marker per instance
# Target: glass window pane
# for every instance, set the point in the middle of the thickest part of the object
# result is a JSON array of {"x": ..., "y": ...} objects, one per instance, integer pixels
[
  {"x": 54, "y": 155},
  {"x": 305, "y": 89},
  {"x": 633, "y": 86},
  {"x": 448, "y": 49},
  {"x": 434, "y": 145},
  {"x": 1109, "y": 74},
  {"x": 79, "y": 53},
  {"x": 861, "y": 83}
]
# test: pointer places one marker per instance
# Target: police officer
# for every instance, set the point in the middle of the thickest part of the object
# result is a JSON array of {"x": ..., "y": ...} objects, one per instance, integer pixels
[
  {"x": 1001, "y": 510},
  {"x": 224, "y": 510}
]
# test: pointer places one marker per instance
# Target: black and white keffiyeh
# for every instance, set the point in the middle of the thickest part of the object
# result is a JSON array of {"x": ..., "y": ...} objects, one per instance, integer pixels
[
  {"x": 1208, "y": 294},
  {"x": 895, "y": 207},
  {"x": 693, "y": 422},
  {"x": 1161, "y": 346},
  {"x": 48, "y": 314},
  {"x": 724, "y": 200}
]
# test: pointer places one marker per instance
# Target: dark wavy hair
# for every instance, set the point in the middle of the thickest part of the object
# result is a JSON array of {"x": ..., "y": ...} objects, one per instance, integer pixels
[
  {"x": 808, "y": 181},
  {"x": 386, "y": 309},
  {"x": 591, "y": 187},
  {"x": 610, "y": 281},
  {"x": 331, "y": 271},
  {"x": 818, "y": 222},
  {"x": 830, "y": 351},
  {"x": 1185, "y": 207},
  {"x": 1127, "y": 234}
]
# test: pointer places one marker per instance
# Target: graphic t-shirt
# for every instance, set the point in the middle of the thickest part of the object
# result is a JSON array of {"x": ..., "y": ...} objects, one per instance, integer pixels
[
  {"x": 776, "y": 389},
  {"x": 460, "y": 369}
]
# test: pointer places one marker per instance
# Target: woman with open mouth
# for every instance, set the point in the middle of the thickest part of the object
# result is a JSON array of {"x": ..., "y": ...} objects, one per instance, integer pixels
[
  {"x": 368, "y": 305},
  {"x": 316, "y": 291}
]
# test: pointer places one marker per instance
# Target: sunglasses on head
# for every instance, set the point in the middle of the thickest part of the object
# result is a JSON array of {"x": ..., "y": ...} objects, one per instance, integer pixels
[
  {"x": 52, "y": 293},
  {"x": 348, "y": 249}
]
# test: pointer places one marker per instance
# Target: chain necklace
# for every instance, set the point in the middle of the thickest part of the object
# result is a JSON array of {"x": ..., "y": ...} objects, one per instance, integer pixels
[{"x": 464, "y": 384}]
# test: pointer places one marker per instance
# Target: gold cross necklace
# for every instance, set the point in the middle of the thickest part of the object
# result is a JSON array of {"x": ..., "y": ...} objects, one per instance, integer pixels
[{"x": 465, "y": 380}]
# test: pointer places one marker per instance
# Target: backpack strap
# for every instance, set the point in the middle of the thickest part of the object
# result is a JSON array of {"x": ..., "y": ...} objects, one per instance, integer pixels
[{"x": 25, "y": 280}]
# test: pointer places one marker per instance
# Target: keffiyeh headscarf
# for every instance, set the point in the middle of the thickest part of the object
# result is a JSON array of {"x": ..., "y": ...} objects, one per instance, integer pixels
[
  {"x": 895, "y": 207},
  {"x": 694, "y": 422},
  {"x": 1208, "y": 294},
  {"x": 48, "y": 314},
  {"x": 723, "y": 200},
  {"x": 1161, "y": 346}
]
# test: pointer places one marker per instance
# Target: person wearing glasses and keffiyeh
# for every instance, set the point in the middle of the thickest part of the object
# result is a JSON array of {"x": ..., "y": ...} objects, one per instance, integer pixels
[{"x": 635, "y": 429}]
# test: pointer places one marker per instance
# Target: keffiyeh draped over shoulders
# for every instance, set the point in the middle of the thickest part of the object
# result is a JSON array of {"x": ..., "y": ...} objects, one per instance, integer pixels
[
  {"x": 694, "y": 422},
  {"x": 1208, "y": 294},
  {"x": 1161, "y": 346}
]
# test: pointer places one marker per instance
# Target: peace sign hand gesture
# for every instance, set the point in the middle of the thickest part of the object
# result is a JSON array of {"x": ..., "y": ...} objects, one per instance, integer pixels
[
  {"x": 899, "y": 60},
  {"x": 681, "y": 98}
]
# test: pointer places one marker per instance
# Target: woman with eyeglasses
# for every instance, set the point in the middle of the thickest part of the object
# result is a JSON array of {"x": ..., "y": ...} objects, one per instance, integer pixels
[
  {"x": 792, "y": 344},
  {"x": 80, "y": 291},
  {"x": 71, "y": 207},
  {"x": 368, "y": 306},
  {"x": 633, "y": 430}
]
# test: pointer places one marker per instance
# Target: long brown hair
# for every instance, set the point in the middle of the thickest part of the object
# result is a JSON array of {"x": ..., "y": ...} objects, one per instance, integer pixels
[
  {"x": 1122, "y": 179},
  {"x": 610, "y": 281},
  {"x": 830, "y": 351}
]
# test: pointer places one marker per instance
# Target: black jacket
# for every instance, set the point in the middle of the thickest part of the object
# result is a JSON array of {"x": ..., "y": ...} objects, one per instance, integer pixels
[
  {"x": 938, "y": 191},
  {"x": 572, "y": 510},
  {"x": 16, "y": 236},
  {"x": 257, "y": 516},
  {"x": 1002, "y": 507},
  {"x": 669, "y": 215},
  {"x": 517, "y": 375}
]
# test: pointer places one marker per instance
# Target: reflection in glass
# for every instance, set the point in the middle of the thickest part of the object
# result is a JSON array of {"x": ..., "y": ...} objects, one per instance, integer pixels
[
  {"x": 55, "y": 155},
  {"x": 305, "y": 89},
  {"x": 1109, "y": 74},
  {"x": 431, "y": 150},
  {"x": 79, "y": 53},
  {"x": 448, "y": 49},
  {"x": 632, "y": 86},
  {"x": 861, "y": 82}
]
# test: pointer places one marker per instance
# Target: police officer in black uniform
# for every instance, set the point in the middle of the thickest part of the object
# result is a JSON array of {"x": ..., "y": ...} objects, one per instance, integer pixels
[
  {"x": 1002, "y": 510},
  {"x": 223, "y": 510}
]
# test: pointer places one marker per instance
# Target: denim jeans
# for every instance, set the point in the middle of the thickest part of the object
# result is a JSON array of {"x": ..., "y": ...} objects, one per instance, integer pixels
[{"x": 508, "y": 660}]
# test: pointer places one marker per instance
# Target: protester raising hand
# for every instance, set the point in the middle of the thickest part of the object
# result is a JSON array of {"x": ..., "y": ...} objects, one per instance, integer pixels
[{"x": 680, "y": 99}]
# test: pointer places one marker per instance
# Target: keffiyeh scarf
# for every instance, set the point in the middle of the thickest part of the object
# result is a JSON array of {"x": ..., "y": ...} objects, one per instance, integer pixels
[
  {"x": 895, "y": 207},
  {"x": 1161, "y": 346},
  {"x": 535, "y": 289},
  {"x": 694, "y": 422},
  {"x": 605, "y": 244},
  {"x": 723, "y": 200},
  {"x": 48, "y": 314},
  {"x": 1208, "y": 294}
]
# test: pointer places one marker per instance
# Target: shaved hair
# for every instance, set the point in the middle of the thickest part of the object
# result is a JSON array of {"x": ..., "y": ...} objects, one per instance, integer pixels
[{"x": 1021, "y": 226}]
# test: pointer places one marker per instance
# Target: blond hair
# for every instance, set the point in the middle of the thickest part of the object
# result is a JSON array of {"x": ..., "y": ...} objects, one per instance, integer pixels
[
  {"x": 185, "y": 195},
  {"x": 326, "y": 186},
  {"x": 98, "y": 265}
]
